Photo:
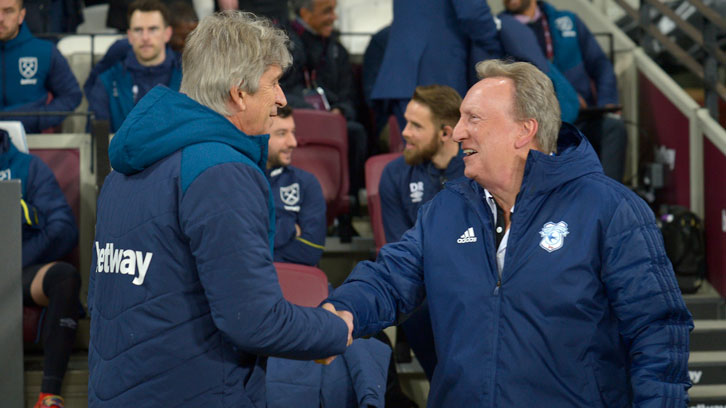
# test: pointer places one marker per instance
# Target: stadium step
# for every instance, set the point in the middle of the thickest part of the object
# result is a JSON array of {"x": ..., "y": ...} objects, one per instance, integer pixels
[
  {"x": 707, "y": 367},
  {"x": 708, "y": 335},
  {"x": 75, "y": 382},
  {"x": 706, "y": 304},
  {"x": 707, "y": 396}
]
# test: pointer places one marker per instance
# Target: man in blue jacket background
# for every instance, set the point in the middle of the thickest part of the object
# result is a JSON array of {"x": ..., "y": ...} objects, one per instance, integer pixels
[
  {"x": 184, "y": 298},
  {"x": 299, "y": 203},
  {"x": 36, "y": 77},
  {"x": 547, "y": 281},
  {"x": 49, "y": 233},
  {"x": 430, "y": 159},
  {"x": 148, "y": 63},
  {"x": 570, "y": 46}
]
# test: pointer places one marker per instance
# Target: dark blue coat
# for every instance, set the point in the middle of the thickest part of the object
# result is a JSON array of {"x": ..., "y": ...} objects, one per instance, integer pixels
[
  {"x": 52, "y": 230},
  {"x": 182, "y": 292},
  {"x": 298, "y": 200},
  {"x": 430, "y": 42},
  {"x": 119, "y": 88},
  {"x": 404, "y": 189},
  {"x": 587, "y": 312},
  {"x": 355, "y": 379},
  {"x": 31, "y": 69}
]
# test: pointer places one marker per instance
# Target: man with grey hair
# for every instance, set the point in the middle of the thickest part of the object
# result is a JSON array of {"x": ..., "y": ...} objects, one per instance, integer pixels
[
  {"x": 183, "y": 294},
  {"x": 547, "y": 281}
]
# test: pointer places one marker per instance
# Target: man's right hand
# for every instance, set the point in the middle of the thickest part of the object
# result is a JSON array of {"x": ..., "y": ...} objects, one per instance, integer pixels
[{"x": 348, "y": 319}]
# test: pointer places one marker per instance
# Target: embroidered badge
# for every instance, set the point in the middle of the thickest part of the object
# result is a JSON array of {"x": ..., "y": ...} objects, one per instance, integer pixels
[
  {"x": 553, "y": 235},
  {"x": 417, "y": 190},
  {"x": 290, "y": 195},
  {"x": 28, "y": 67},
  {"x": 566, "y": 26}
]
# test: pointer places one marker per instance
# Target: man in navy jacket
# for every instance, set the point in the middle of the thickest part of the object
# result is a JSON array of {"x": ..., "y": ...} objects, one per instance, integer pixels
[
  {"x": 49, "y": 233},
  {"x": 36, "y": 77},
  {"x": 183, "y": 293},
  {"x": 299, "y": 203},
  {"x": 430, "y": 159},
  {"x": 547, "y": 281},
  {"x": 148, "y": 63},
  {"x": 570, "y": 46}
]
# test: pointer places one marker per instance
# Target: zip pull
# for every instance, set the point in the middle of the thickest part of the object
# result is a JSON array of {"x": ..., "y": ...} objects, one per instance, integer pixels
[{"x": 496, "y": 288}]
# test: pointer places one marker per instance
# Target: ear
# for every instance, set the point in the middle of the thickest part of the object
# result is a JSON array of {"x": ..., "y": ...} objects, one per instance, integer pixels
[
  {"x": 237, "y": 98},
  {"x": 167, "y": 34},
  {"x": 527, "y": 134},
  {"x": 22, "y": 15},
  {"x": 446, "y": 133},
  {"x": 304, "y": 14}
]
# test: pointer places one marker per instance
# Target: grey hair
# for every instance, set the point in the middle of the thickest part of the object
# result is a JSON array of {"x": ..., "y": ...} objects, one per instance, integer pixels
[
  {"x": 301, "y": 4},
  {"x": 230, "y": 49},
  {"x": 534, "y": 97}
]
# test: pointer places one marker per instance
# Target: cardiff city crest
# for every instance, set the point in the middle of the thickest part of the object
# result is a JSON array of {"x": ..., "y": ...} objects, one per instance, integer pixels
[
  {"x": 290, "y": 195},
  {"x": 28, "y": 66},
  {"x": 553, "y": 235}
]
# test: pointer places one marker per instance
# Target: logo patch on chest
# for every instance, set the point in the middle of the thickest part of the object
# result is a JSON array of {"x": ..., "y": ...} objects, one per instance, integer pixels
[
  {"x": 28, "y": 67},
  {"x": 290, "y": 195},
  {"x": 417, "y": 191},
  {"x": 553, "y": 236}
]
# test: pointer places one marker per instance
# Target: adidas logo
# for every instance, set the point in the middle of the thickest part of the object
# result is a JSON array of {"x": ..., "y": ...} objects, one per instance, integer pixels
[{"x": 467, "y": 236}]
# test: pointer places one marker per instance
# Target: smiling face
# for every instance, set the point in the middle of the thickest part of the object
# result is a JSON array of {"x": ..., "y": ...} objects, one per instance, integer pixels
[
  {"x": 258, "y": 109},
  {"x": 11, "y": 16},
  {"x": 488, "y": 132},
  {"x": 148, "y": 35},
  {"x": 321, "y": 18},
  {"x": 282, "y": 142},
  {"x": 423, "y": 139}
]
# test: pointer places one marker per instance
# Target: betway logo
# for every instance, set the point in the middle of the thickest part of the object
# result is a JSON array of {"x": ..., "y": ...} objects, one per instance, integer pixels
[
  {"x": 695, "y": 376},
  {"x": 125, "y": 261}
]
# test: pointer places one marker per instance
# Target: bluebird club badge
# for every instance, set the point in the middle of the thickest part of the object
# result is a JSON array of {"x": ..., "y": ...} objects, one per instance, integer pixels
[{"x": 553, "y": 235}]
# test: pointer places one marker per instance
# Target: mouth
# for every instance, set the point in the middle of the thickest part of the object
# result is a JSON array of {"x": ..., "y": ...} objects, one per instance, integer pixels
[{"x": 469, "y": 152}]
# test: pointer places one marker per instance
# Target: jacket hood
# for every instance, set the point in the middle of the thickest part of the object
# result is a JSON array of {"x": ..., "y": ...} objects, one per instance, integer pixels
[
  {"x": 165, "y": 121},
  {"x": 24, "y": 35},
  {"x": 7, "y": 149},
  {"x": 542, "y": 173}
]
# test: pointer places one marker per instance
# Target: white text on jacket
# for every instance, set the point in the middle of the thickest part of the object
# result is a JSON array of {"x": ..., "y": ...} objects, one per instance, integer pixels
[{"x": 125, "y": 261}]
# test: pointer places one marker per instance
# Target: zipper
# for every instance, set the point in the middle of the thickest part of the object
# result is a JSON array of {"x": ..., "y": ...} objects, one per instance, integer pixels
[{"x": 496, "y": 288}]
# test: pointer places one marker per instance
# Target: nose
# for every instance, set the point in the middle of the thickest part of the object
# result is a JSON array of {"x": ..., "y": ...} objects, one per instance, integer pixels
[
  {"x": 459, "y": 133},
  {"x": 280, "y": 99},
  {"x": 291, "y": 140},
  {"x": 407, "y": 131}
]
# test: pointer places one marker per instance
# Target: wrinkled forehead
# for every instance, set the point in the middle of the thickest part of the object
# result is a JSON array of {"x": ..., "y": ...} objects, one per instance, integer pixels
[{"x": 487, "y": 94}]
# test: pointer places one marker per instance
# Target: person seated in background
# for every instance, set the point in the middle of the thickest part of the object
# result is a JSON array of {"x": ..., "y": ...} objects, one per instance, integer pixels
[
  {"x": 571, "y": 47},
  {"x": 183, "y": 21},
  {"x": 49, "y": 232},
  {"x": 147, "y": 64},
  {"x": 430, "y": 159},
  {"x": 54, "y": 16},
  {"x": 276, "y": 10},
  {"x": 36, "y": 77},
  {"x": 321, "y": 77},
  {"x": 299, "y": 203}
]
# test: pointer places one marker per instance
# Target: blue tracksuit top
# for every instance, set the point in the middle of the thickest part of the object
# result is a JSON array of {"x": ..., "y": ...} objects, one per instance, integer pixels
[
  {"x": 404, "y": 189},
  {"x": 298, "y": 200},
  {"x": 579, "y": 57},
  {"x": 54, "y": 232},
  {"x": 183, "y": 295},
  {"x": 587, "y": 312},
  {"x": 30, "y": 69},
  {"x": 119, "y": 88}
]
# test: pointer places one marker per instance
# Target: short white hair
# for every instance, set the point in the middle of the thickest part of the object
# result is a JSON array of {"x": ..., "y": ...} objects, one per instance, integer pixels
[
  {"x": 230, "y": 49},
  {"x": 534, "y": 97}
]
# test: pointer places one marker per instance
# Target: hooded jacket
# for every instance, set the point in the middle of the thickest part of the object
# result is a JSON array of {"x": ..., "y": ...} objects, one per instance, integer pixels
[
  {"x": 49, "y": 227},
  {"x": 120, "y": 87},
  {"x": 587, "y": 312},
  {"x": 30, "y": 70},
  {"x": 183, "y": 295}
]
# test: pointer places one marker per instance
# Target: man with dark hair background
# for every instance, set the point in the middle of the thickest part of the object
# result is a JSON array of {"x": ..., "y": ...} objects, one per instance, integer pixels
[
  {"x": 148, "y": 63},
  {"x": 299, "y": 203}
]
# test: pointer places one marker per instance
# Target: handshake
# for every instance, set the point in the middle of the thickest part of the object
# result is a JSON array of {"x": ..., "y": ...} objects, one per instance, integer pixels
[{"x": 348, "y": 319}]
